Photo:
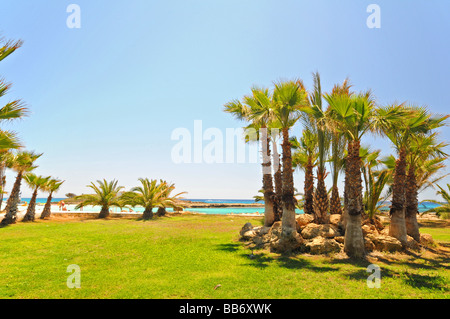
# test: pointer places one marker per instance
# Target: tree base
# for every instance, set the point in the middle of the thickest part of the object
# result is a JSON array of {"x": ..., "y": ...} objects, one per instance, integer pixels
[
  {"x": 148, "y": 214},
  {"x": 28, "y": 218},
  {"x": 104, "y": 213},
  {"x": 8, "y": 221},
  {"x": 397, "y": 227},
  {"x": 412, "y": 226},
  {"x": 354, "y": 239}
]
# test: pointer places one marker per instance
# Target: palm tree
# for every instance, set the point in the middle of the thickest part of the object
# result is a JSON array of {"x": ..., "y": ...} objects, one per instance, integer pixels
[
  {"x": 106, "y": 195},
  {"x": 8, "y": 47},
  {"x": 422, "y": 149},
  {"x": 257, "y": 110},
  {"x": 375, "y": 181},
  {"x": 11, "y": 111},
  {"x": 401, "y": 132},
  {"x": 321, "y": 200},
  {"x": 8, "y": 142},
  {"x": 22, "y": 162},
  {"x": 36, "y": 183},
  {"x": 151, "y": 194},
  {"x": 353, "y": 117},
  {"x": 169, "y": 200},
  {"x": 426, "y": 174},
  {"x": 51, "y": 187},
  {"x": 3, "y": 158},
  {"x": 289, "y": 98},
  {"x": 278, "y": 179},
  {"x": 370, "y": 161},
  {"x": 338, "y": 146},
  {"x": 305, "y": 157}
]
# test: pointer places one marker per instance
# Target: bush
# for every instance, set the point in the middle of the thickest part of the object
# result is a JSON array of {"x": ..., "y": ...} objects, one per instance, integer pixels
[{"x": 444, "y": 215}]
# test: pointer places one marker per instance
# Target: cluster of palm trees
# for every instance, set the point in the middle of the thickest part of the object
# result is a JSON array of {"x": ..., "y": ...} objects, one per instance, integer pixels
[
  {"x": 13, "y": 157},
  {"x": 23, "y": 163},
  {"x": 333, "y": 126},
  {"x": 149, "y": 194}
]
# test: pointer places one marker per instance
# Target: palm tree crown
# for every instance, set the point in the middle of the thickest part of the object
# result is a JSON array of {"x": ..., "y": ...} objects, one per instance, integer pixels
[
  {"x": 152, "y": 194},
  {"x": 106, "y": 195}
]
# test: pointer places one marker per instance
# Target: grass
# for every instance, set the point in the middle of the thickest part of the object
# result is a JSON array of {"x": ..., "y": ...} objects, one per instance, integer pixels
[
  {"x": 441, "y": 235},
  {"x": 188, "y": 256}
]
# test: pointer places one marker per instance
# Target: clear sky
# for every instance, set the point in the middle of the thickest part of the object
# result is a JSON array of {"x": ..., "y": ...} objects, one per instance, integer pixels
[{"x": 105, "y": 98}]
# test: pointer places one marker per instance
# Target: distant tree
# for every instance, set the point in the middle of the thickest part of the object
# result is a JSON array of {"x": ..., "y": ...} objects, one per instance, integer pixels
[
  {"x": 71, "y": 195},
  {"x": 51, "y": 187},
  {"x": 152, "y": 194},
  {"x": 21, "y": 163},
  {"x": 36, "y": 183},
  {"x": 106, "y": 195}
]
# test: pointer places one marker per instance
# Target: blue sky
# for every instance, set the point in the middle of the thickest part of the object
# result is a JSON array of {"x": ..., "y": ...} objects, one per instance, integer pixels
[{"x": 105, "y": 98}]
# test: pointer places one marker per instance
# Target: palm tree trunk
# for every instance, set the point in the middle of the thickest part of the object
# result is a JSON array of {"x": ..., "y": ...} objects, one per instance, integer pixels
[
  {"x": 269, "y": 214},
  {"x": 2, "y": 194},
  {"x": 288, "y": 227},
  {"x": 335, "y": 201},
  {"x": 366, "y": 184},
  {"x": 104, "y": 213},
  {"x": 345, "y": 216},
  {"x": 31, "y": 210},
  {"x": 321, "y": 202},
  {"x": 47, "y": 208},
  {"x": 3, "y": 183},
  {"x": 412, "y": 204},
  {"x": 354, "y": 240},
  {"x": 397, "y": 227},
  {"x": 308, "y": 207},
  {"x": 277, "y": 202},
  {"x": 13, "y": 202},
  {"x": 148, "y": 213},
  {"x": 161, "y": 211}
]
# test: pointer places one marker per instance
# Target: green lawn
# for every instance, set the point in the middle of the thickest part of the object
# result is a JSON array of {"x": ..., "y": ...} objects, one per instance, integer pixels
[
  {"x": 187, "y": 256},
  {"x": 441, "y": 235}
]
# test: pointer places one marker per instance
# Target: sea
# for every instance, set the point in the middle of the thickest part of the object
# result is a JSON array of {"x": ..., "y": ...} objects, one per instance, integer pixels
[{"x": 424, "y": 206}]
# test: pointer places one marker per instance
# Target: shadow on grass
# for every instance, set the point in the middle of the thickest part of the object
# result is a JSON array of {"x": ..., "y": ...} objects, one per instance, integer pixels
[
  {"x": 5, "y": 224},
  {"x": 263, "y": 260},
  {"x": 153, "y": 219},
  {"x": 426, "y": 281},
  {"x": 228, "y": 247},
  {"x": 358, "y": 262},
  {"x": 258, "y": 260},
  {"x": 303, "y": 263},
  {"x": 419, "y": 281},
  {"x": 432, "y": 282},
  {"x": 438, "y": 262}
]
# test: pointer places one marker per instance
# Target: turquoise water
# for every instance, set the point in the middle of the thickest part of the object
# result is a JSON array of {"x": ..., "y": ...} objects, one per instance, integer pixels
[
  {"x": 423, "y": 207},
  {"x": 40, "y": 200},
  {"x": 232, "y": 210},
  {"x": 211, "y": 201},
  {"x": 215, "y": 210},
  {"x": 225, "y": 201}
]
